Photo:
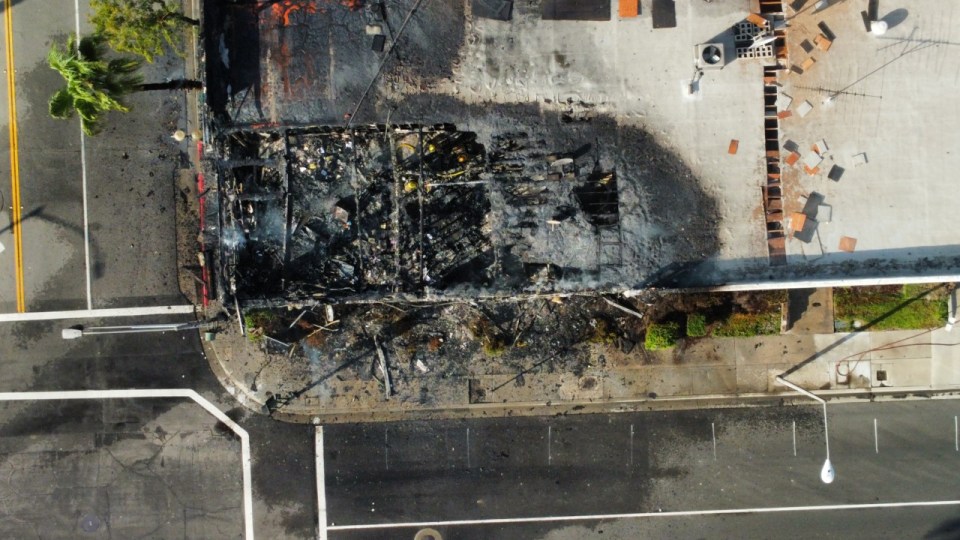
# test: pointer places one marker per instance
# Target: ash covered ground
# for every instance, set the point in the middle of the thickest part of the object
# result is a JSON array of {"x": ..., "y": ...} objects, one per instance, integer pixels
[
  {"x": 433, "y": 352},
  {"x": 455, "y": 353}
]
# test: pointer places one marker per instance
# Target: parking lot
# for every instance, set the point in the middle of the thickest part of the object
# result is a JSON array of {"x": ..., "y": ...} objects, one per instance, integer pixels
[{"x": 576, "y": 476}]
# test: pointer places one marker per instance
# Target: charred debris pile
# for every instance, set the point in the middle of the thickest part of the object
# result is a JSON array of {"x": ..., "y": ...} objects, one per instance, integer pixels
[{"x": 311, "y": 215}]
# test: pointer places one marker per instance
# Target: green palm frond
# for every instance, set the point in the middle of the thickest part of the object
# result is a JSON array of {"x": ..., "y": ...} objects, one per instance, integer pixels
[
  {"x": 123, "y": 66},
  {"x": 90, "y": 127}
]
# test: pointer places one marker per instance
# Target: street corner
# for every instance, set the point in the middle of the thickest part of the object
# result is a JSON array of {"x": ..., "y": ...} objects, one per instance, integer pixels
[{"x": 235, "y": 362}]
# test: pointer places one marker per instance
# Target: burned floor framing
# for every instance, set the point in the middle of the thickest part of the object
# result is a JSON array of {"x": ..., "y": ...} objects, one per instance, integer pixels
[{"x": 419, "y": 212}]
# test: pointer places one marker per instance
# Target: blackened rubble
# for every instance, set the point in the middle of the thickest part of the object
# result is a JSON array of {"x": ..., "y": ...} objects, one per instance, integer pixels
[{"x": 427, "y": 212}]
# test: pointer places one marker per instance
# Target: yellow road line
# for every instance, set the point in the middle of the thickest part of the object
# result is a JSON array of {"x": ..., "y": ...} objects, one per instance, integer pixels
[{"x": 14, "y": 157}]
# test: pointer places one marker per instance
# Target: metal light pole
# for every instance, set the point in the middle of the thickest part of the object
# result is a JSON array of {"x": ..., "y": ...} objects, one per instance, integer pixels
[
  {"x": 951, "y": 310},
  {"x": 827, "y": 473},
  {"x": 79, "y": 331}
]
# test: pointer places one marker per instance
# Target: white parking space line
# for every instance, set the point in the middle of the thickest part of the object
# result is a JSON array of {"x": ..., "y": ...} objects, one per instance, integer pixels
[
  {"x": 606, "y": 517},
  {"x": 956, "y": 435},
  {"x": 83, "y": 176},
  {"x": 157, "y": 394},
  {"x": 713, "y": 433},
  {"x": 549, "y": 445},
  {"x": 794, "y": 438},
  {"x": 876, "y": 440},
  {"x": 96, "y": 313},
  {"x": 321, "y": 485}
]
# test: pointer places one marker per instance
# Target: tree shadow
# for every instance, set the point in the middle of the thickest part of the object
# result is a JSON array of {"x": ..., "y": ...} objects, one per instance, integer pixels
[
  {"x": 863, "y": 328},
  {"x": 948, "y": 530},
  {"x": 12, "y": 3},
  {"x": 96, "y": 270}
]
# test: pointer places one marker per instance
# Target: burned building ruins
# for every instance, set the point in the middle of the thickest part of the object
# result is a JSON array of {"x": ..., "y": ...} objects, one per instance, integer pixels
[{"x": 420, "y": 212}]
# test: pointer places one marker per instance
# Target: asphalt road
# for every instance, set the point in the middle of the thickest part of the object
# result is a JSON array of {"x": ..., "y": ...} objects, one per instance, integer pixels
[
  {"x": 129, "y": 172},
  {"x": 130, "y": 191},
  {"x": 515, "y": 468},
  {"x": 569, "y": 466},
  {"x": 936, "y": 523},
  {"x": 117, "y": 468},
  {"x": 35, "y": 358}
]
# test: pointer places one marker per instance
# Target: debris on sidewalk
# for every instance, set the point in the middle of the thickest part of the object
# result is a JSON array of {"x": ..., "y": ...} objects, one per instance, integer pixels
[{"x": 384, "y": 369}]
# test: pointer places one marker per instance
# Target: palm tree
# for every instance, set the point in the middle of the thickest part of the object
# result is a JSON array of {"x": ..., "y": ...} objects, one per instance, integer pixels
[
  {"x": 96, "y": 85},
  {"x": 141, "y": 26}
]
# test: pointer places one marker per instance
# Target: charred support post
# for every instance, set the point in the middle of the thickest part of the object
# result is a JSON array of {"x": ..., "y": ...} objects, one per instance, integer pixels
[
  {"x": 397, "y": 189},
  {"x": 421, "y": 255},
  {"x": 626, "y": 310},
  {"x": 356, "y": 222},
  {"x": 384, "y": 368},
  {"x": 287, "y": 216},
  {"x": 227, "y": 164}
]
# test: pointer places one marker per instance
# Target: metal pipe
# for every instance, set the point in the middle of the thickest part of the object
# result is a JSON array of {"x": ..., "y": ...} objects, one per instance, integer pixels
[{"x": 826, "y": 430}]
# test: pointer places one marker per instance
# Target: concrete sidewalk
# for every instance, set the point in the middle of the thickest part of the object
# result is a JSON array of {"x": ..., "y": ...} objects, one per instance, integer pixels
[{"x": 701, "y": 373}]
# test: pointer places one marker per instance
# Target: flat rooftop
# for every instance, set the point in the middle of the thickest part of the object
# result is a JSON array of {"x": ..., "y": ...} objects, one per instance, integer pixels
[
  {"x": 882, "y": 108},
  {"x": 696, "y": 158}
]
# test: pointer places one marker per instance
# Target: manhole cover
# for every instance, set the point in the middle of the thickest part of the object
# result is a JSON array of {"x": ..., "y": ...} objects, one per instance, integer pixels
[
  {"x": 90, "y": 523},
  {"x": 427, "y": 534}
]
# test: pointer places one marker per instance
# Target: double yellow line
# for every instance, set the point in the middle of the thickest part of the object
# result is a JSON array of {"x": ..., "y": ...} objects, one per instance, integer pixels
[{"x": 14, "y": 157}]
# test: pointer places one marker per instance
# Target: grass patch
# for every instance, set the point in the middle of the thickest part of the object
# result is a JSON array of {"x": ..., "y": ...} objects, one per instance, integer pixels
[
  {"x": 696, "y": 325},
  {"x": 604, "y": 333},
  {"x": 907, "y": 307},
  {"x": 661, "y": 335},
  {"x": 260, "y": 322},
  {"x": 748, "y": 325},
  {"x": 493, "y": 343}
]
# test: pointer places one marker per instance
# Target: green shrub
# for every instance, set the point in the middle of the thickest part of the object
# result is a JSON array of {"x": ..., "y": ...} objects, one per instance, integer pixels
[
  {"x": 662, "y": 336},
  {"x": 910, "y": 307},
  {"x": 696, "y": 325},
  {"x": 749, "y": 325}
]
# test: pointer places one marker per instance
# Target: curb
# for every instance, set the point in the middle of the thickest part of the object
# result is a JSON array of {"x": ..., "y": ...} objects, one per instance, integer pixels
[
  {"x": 549, "y": 408},
  {"x": 626, "y": 406},
  {"x": 239, "y": 392}
]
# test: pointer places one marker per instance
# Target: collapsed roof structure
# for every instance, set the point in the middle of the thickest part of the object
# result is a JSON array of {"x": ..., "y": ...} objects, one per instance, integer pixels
[{"x": 424, "y": 212}]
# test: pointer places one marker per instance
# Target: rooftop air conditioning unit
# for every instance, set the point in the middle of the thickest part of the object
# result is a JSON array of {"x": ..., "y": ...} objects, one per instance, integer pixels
[{"x": 710, "y": 56}]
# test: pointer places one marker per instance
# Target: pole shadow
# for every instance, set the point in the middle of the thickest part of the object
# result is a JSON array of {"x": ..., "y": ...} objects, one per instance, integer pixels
[{"x": 863, "y": 328}]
